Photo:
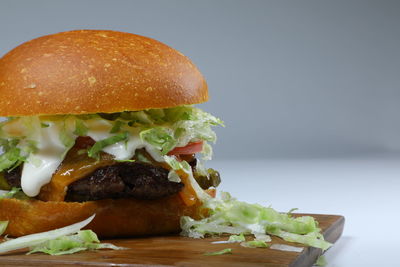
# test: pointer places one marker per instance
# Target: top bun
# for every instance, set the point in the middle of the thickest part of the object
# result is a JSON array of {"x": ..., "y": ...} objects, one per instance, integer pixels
[{"x": 92, "y": 71}]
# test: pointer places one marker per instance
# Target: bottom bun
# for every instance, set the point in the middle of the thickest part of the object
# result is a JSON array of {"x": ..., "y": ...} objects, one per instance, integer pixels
[{"x": 114, "y": 217}]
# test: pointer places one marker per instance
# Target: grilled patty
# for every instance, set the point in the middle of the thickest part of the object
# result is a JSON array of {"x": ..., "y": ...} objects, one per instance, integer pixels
[
  {"x": 121, "y": 180},
  {"x": 137, "y": 180}
]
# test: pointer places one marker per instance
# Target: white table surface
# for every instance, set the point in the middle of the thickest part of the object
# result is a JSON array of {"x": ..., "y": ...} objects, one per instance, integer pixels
[{"x": 364, "y": 190}]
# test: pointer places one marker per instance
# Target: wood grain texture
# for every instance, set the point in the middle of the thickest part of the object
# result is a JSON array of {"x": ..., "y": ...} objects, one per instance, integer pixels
[{"x": 180, "y": 251}]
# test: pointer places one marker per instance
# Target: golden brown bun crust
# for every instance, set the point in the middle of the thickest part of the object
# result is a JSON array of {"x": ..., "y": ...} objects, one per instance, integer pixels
[
  {"x": 120, "y": 217},
  {"x": 91, "y": 71}
]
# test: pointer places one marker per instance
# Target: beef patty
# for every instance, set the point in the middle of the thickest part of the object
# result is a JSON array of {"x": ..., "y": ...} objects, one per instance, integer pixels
[{"x": 121, "y": 180}]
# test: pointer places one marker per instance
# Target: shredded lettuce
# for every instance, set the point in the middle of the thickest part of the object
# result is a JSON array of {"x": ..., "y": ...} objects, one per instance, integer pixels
[
  {"x": 262, "y": 237},
  {"x": 11, "y": 193},
  {"x": 236, "y": 238},
  {"x": 173, "y": 163},
  {"x": 254, "y": 244},
  {"x": 142, "y": 158},
  {"x": 117, "y": 126},
  {"x": 82, "y": 240},
  {"x": 159, "y": 138},
  {"x": 99, "y": 145},
  {"x": 137, "y": 117},
  {"x": 67, "y": 139},
  {"x": 3, "y": 226},
  {"x": 125, "y": 160},
  {"x": 186, "y": 124},
  {"x": 313, "y": 239},
  {"x": 66, "y": 240},
  {"x": 207, "y": 151},
  {"x": 183, "y": 165},
  {"x": 283, "y": 247},
  {"x": 229, "y": 215},
  {"x": 168, "y": 128},
  {"x": 231, "y": 239},
  {"x": 164, "y": 129},
  {"x": 12, "y": 155},
  {"x": 220, "y": 252},
  {"x": 15, "y": 192},
  {"x": 177, "y": 165},
  {"x": 289, "y": 213},
  {"x": 39, "y": 238},
  {"x": 80, "y": 128},
  {"x": 173, "y": 176}
]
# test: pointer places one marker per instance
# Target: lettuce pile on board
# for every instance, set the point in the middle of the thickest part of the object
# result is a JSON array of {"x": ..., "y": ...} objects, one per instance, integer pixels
[{"x": 230, "y": 216}]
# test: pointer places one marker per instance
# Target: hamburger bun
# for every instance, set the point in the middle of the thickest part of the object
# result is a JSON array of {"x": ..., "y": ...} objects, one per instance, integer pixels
[
  {"x": 134, "y": 217},
  {"x": 96, "y": 71},
  {"x": 92, "y": 71}
]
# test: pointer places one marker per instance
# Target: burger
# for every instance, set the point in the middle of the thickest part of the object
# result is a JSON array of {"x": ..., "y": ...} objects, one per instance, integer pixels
[{"x": 102, "y": 122}]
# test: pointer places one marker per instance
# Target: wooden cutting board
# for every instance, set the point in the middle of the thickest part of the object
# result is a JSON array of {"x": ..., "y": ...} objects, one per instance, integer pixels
[{"x": 181, "y": 251}]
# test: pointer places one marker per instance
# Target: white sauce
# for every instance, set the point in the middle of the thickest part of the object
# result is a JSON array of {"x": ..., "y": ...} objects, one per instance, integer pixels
[
  {"x": 100, "y": 129},
  {"x": 39, "y": 168}
]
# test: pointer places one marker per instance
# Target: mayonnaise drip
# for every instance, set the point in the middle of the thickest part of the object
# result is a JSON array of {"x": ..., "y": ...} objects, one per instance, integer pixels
[
  {"x": 100, "y": 129},
  {"x": 39, "y": 168}
]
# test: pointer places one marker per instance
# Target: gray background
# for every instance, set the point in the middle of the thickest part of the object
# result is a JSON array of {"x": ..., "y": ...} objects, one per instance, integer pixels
[{"x": 289, "y": 78}]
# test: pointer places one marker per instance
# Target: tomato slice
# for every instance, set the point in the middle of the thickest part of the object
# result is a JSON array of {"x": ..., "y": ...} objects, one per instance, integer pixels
[{"x": 191, "y": 148}]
